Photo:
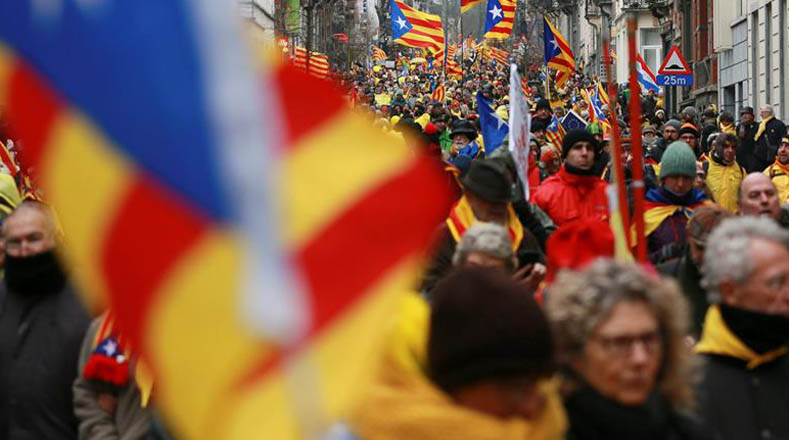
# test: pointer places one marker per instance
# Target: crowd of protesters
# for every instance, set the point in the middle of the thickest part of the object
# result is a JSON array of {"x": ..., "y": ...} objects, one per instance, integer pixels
[{"x": 531, "y": 321}]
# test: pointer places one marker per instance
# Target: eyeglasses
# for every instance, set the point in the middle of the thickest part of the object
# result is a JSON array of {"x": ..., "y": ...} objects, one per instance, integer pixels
[{"x": 622, "y": 346}]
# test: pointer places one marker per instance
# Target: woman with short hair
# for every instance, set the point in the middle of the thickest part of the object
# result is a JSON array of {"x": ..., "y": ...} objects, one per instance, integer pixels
[{"x": 621, "y": 337}]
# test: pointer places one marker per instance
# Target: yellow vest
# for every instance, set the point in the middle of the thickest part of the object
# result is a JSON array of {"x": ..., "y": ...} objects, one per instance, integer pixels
[
  {"x": 781, "y": 181},
  {"x": 724, "y": 183}
]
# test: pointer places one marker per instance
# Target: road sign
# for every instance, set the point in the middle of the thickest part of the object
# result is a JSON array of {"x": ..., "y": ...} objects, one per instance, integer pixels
[
  {"x": 675, "y": 80},
  {"x": 674, "y": 64}
]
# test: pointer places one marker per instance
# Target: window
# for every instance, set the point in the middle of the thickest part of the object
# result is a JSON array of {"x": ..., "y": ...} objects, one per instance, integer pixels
[{"x": 652, "y": 48}]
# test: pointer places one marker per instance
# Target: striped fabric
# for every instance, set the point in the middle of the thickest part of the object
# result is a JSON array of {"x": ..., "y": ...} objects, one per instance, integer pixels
[
  {"x": 319, "y": 63},
  {"x": 558, "y": 54},
  {"x": 438, "y": 94},
  {"x": 466, "y": 5},
  {"x": 414, "y": 28},
  {"x": 499, "y": 18},
  {"x": 378, "y": 54},
  {"x": 243, "y": 304}
]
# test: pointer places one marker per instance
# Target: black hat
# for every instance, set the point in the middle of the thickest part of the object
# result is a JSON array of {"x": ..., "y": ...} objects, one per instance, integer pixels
[
  {"x": 464, "y": 127},
  {"x": 537, "y": 125},
  {"x": 484, "y": 326},
  {"x": 578, "y": 135},
  {"x": 489, "y": 180},
  {"x": 543, "y": 103},
  {"x": 746, "y": 111}
]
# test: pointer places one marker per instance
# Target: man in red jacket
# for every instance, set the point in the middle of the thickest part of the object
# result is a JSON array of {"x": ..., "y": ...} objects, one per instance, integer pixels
[{"x": 576, "y": 191}]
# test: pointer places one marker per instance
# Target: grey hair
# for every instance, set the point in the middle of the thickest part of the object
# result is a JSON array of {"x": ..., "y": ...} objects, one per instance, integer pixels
[
  {"x": 768, "y": 109},
  {"x": 580, "y": 301},
  {"x": 728, "y": 254},
  {"x": 487, "y": 238}
]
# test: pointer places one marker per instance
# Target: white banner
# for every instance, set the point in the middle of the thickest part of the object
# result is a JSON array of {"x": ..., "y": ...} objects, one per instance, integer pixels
[{"x": 520, "y": 128}]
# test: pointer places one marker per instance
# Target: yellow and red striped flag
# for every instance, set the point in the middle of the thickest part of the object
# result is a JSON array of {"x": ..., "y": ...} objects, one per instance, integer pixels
[
  {"x": 378, "y": 54},
  {"x": 319, "y": 63},
  {"x": 256, "y": 314},
  {"x": 558, "y": 54},
  {"x": 466, "y": 5},
  {"x": 454, "y": 68},
  {"x": 438, "y": 93},
  {"x": 499, "y": 18},
  {"x": 500, "y": 55},
  {"x": 414, "y": 28}
]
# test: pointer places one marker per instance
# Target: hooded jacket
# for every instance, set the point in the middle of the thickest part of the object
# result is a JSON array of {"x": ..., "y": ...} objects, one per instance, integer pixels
[
  {"x": 724, "y": 181},
  {"x": 779, "y": 175},
  {"x": 402, "y": 403},
  {"x": 566, "y": 197}
]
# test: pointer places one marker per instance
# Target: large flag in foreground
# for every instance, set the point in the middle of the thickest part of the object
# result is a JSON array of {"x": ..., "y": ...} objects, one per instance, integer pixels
[
  {"x": 557, "y": 54},
  {"x": 499, "y": 18},
  {"x": 221, "y": 238},
  {"x": 415, "y": 28}
]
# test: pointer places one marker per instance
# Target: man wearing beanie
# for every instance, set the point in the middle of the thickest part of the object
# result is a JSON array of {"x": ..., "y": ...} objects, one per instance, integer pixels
[
  {"x": 576, "y": 191},
  {"x": 746, "y": 130},
  {"x": 487, "y": 197},
  {"x": 670, "y": 133},
  {"x": 689, "y": 134},
  {"x": 543, "y": 112},
  {"x": 669, "y": 206},
  {"x": 724, "y": 174}
]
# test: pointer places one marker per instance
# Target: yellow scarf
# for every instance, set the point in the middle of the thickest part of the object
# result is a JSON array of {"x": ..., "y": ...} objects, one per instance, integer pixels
[
  {"x": 718, "y": 339},
  {"x": 762, "y": 127},
  {"x": 461, "y": 217},
  {"x": 728, "y": 128}
]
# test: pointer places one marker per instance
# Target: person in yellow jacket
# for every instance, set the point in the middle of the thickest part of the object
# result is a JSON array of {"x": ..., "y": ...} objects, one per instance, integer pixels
[
  {"x": 778, "y": 172},
  {"x": 475, "y": 364},
  {"x": 724, "y": 174}
]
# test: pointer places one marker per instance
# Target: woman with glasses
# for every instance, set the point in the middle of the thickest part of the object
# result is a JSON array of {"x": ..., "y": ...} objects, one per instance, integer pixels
[{"x": 621, "y": 333}]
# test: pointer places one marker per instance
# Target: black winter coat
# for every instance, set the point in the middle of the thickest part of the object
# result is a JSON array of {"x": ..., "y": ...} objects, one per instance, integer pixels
[
  {"x": 40, "y": 340},
  {"x": 767, "y": 146},
  {"x": 738, "y": 403}
]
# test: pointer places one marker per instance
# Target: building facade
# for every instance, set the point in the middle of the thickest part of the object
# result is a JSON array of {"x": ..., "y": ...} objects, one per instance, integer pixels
[{"x": 751, "y": 40}]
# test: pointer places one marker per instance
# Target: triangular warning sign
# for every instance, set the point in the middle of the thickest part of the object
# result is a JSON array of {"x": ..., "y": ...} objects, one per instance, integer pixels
[{"x": 675, "y": 63}]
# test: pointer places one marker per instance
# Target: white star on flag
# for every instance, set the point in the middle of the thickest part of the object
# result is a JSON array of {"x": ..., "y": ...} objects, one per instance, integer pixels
[
  {"x": 495, "y": 12},
  {"x": 499, "y": 119},
  {"x": 110, "y": 347},
  {"x": 400, "y": 22},
  {"x": 555, "y": 43}
]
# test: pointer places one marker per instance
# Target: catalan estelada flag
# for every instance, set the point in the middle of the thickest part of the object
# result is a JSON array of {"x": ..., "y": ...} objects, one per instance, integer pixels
[
  {"x": 557, "y": 54},
  {"x": 454, "y": 68},
  {"x": 249, "y": 248},
  {"x": 555, "y": 132},
  {"x": 466, "y": 5},
  {"x": 378, "y": 54},
  {"x": 499, "y": 18},
  {"x": 416, "y": 29},
  {"x": 438, "y": 94},
  {"x": 499, "y": 55}
]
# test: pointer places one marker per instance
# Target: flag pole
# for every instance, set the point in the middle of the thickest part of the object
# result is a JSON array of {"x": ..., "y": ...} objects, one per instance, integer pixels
[
  {"x": 635, "y": 129},
  {"x": 619, "y": 167},
  {"x": 547, "y": 83}
]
